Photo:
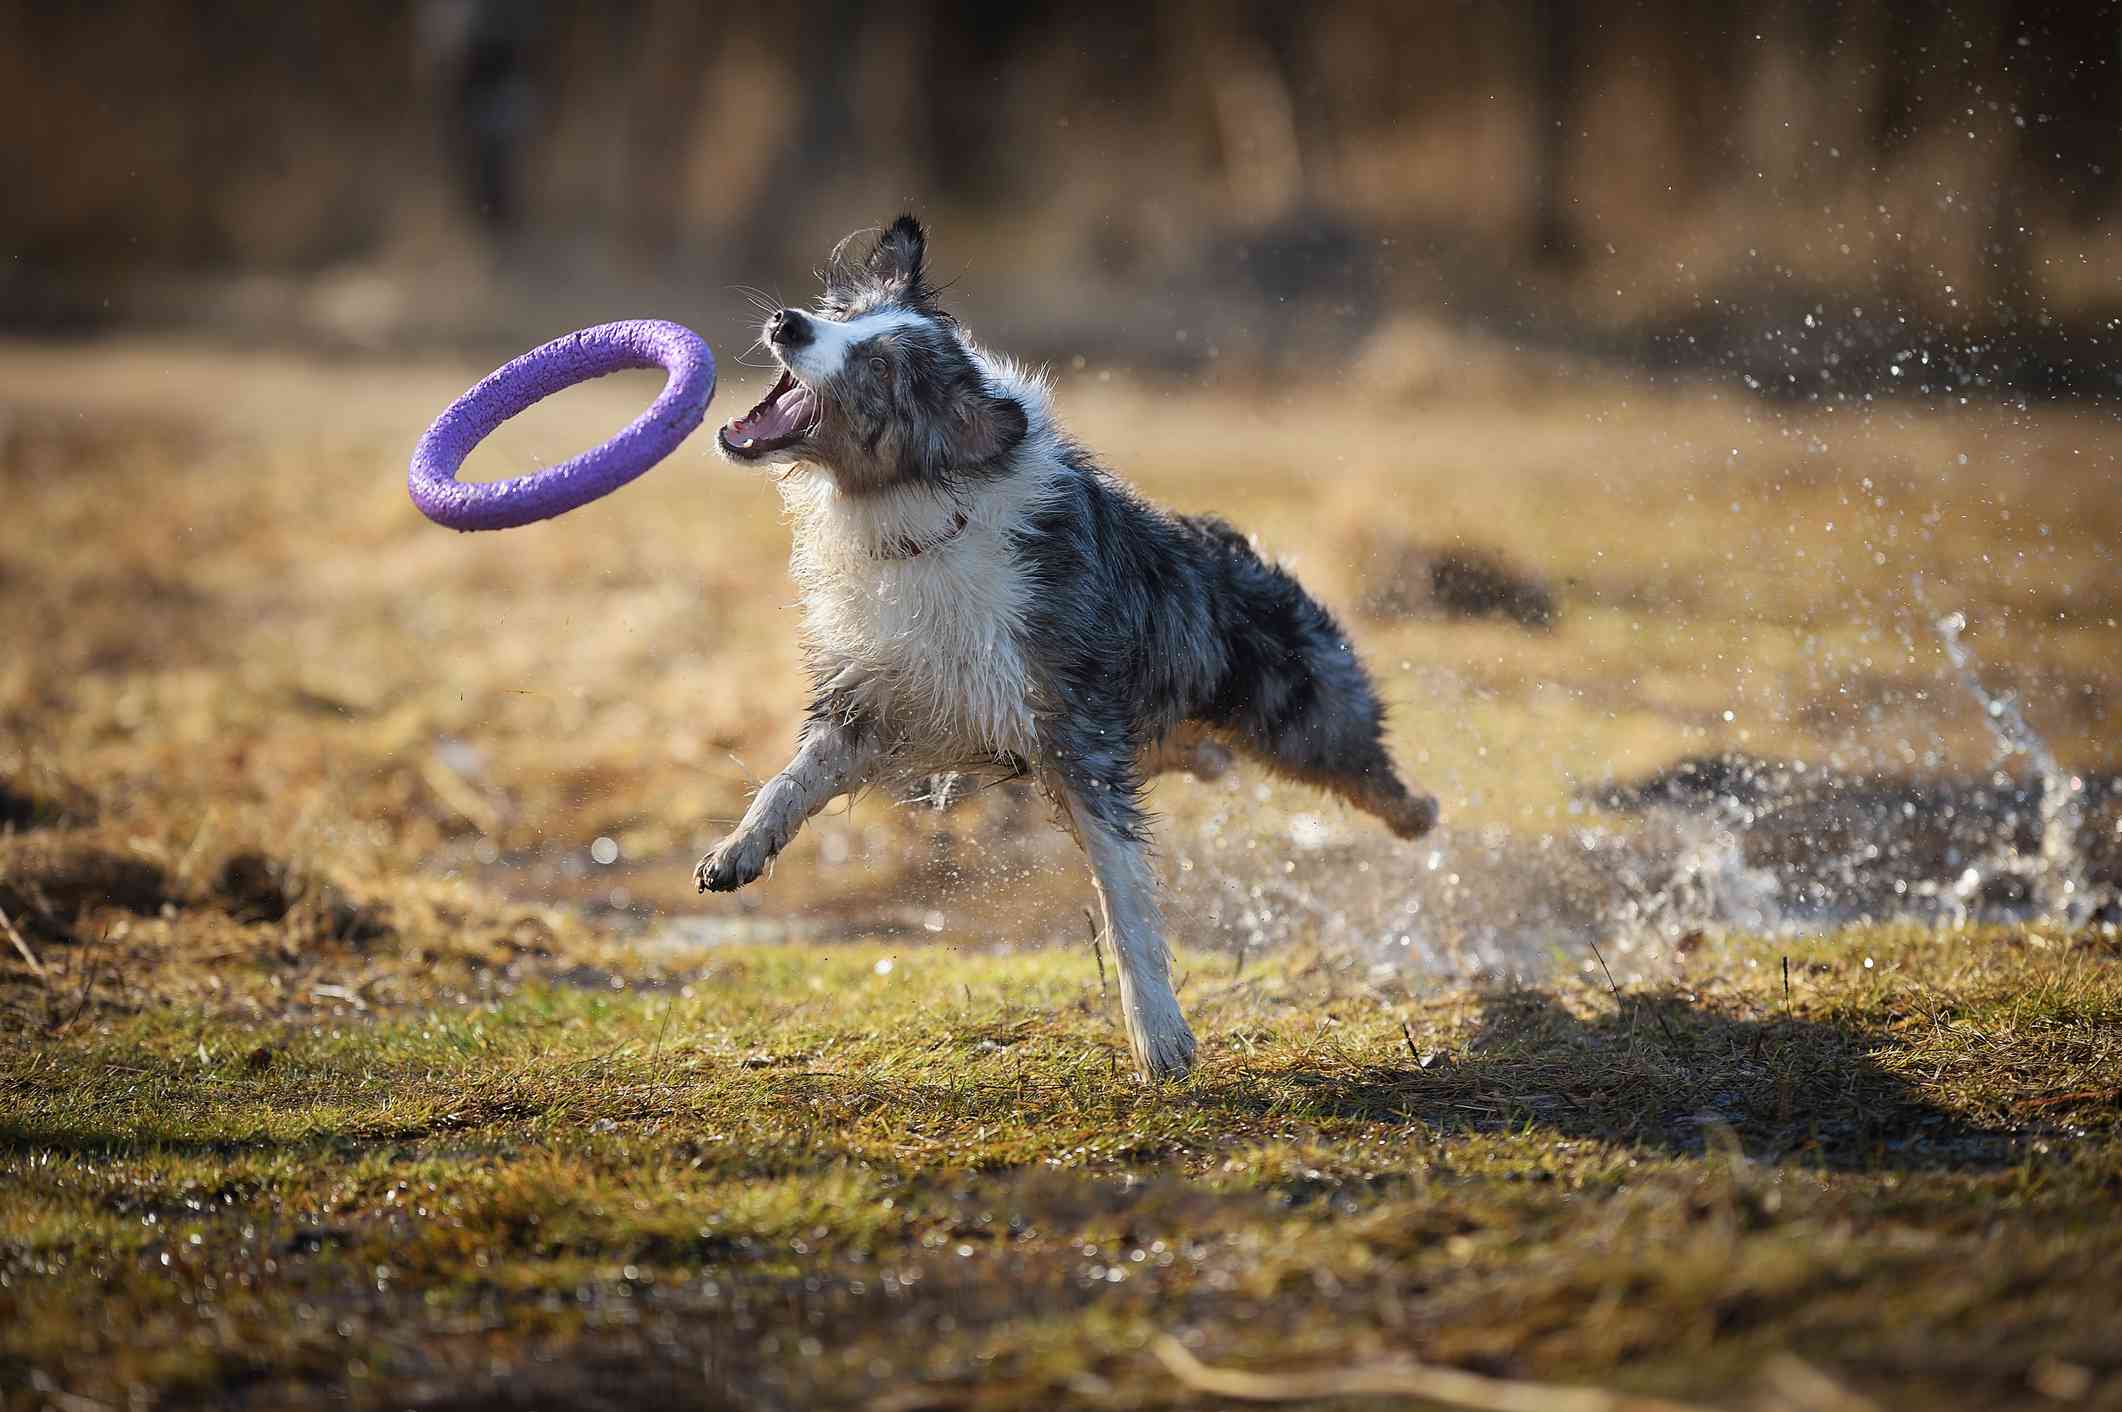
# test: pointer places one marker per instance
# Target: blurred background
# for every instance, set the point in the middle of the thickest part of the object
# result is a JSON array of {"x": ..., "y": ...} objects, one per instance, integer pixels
[
  {"x": 1699, "y": 415},
  {"x": 1170, "y": 183}
]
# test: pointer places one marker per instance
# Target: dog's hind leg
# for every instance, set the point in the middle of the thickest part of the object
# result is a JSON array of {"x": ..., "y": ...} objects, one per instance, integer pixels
[
  {"x": 835, "y": 757},
  {"x": 1363, "y": 775},
  {"x": 1312, "y": 714},
  {"x": 1103, "y": 816}
]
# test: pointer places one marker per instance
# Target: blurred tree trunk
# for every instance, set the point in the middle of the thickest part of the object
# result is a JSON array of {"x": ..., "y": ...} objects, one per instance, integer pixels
[
  {"x": 1558, "y": 41},
  {"x": 828, "y": 36}
]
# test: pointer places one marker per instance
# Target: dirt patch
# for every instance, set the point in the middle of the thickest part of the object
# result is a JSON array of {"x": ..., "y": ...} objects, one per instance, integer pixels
[
  {"x": 51, "y": 885},
  {"x": 34, "y": 796},
  {"x": 1457, "y": 581},
  {"x": 22, "y": 811},
  {"x": 254, "y": 887}
]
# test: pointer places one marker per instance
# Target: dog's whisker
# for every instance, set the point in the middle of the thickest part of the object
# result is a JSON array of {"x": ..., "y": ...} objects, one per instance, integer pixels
[{"x": 758, "y": 298}]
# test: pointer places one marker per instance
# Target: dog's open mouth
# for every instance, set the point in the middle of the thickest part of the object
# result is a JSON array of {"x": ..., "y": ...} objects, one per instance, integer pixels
[{"x": 783, "y": 418}]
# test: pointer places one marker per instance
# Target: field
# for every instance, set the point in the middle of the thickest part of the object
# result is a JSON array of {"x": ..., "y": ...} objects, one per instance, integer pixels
[{"x": 364, "y": 1040}]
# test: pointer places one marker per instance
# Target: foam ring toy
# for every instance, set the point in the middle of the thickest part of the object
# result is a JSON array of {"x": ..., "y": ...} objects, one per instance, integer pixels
[{"x": 538, "y": 374}]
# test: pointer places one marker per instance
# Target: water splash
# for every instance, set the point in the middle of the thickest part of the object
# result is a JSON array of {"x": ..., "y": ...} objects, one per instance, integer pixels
[
  {"x": 2055, "y": 873},
  {"x": 1720, "y": 843},
  {"x": 1478, "y": 902},
  {"x": 1701, "y": 881}
]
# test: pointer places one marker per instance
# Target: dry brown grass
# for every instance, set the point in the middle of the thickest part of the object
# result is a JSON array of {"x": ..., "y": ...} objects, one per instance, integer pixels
[
  {"x": 366, "y": 692},
  {"x": 296, "y": 792}
]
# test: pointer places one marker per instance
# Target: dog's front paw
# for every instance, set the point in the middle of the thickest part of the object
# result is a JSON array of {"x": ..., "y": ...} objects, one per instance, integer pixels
[
  {"x": 1167, "y": 1057},
  {"x": 1163, "y": 1045},
  {"x": 736, "y": 860}
]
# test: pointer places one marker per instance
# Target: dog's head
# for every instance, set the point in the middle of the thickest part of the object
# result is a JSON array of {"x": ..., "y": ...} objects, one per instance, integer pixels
[{"x": 878, "y": 387}]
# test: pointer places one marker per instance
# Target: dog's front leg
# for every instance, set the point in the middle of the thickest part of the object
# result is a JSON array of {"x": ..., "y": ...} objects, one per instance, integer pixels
[{"x": 835, "y": 757}]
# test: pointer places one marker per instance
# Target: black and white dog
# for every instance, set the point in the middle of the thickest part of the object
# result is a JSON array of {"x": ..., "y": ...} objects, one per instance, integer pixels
[{"x": 981, "y": 597}]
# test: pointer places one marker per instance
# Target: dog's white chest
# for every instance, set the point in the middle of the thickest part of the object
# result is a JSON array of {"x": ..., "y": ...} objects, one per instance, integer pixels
[{"x": 929, "y": 642}]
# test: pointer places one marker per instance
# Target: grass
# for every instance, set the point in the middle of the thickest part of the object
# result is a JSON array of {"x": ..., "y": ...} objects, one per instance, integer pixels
[
  {"x": 806, "y": 1177},
  {"x": 334, "y": 1068}
]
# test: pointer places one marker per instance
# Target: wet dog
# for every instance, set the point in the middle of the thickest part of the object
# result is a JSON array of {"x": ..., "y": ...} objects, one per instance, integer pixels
[{"x": 982, "y": 598}]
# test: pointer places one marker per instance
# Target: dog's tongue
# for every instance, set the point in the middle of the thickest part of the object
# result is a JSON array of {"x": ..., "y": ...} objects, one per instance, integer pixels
[{"x": 785, "y": 412}]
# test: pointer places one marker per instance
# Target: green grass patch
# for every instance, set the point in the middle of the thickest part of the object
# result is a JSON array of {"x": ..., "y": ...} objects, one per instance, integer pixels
[{"x": 832, "y": 1176}]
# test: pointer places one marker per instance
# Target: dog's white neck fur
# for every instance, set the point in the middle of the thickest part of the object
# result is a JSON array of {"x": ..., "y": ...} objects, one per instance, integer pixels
[{"x": 929, "y": 641}]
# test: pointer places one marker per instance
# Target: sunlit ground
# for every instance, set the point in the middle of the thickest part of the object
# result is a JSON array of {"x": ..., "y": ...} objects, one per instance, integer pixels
[
  {"x": 279, "y": 754},
  {"x": 230, "y": 626}
]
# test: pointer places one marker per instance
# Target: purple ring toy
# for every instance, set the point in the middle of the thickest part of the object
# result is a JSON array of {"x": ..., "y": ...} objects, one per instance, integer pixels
[{"x": 538, "y": 374}]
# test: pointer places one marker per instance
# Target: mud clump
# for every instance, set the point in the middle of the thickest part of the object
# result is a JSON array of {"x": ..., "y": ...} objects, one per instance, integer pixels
[
  {"x": 60, "y": 883},
  {"x": 49, "y": 803},
  {"x": 22, "y": 811},
  {"x": 48, "y": 887},
  {"x": 1472, "y": 584},
  {"x": 253, "y": 887},
  {"x": 1458, "y": 581},
  {"x": 1730, "y": 780}
]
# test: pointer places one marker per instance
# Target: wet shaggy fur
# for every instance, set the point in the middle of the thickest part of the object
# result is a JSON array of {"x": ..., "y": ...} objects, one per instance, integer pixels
[{"x": 982, "y": 598}]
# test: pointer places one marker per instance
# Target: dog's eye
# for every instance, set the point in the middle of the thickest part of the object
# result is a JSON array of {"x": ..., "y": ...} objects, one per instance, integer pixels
[{"x": 877, "y": 365}]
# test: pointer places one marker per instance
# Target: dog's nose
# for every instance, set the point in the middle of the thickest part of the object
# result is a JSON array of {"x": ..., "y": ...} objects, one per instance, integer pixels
[{"x": 788, "y": 328}]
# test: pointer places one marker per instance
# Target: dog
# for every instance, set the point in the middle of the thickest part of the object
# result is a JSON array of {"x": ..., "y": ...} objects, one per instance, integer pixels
[{"x": 982, "y": 599}]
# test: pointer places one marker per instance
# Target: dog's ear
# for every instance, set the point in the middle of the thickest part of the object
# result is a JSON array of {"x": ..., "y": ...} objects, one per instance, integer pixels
[
  {"x": 980, "y": 433},
  {"x": 897, "y": 260}
]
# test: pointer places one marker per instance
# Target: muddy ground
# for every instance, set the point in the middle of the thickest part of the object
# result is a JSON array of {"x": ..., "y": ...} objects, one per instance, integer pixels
[{"x": 346, "y": 867}]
